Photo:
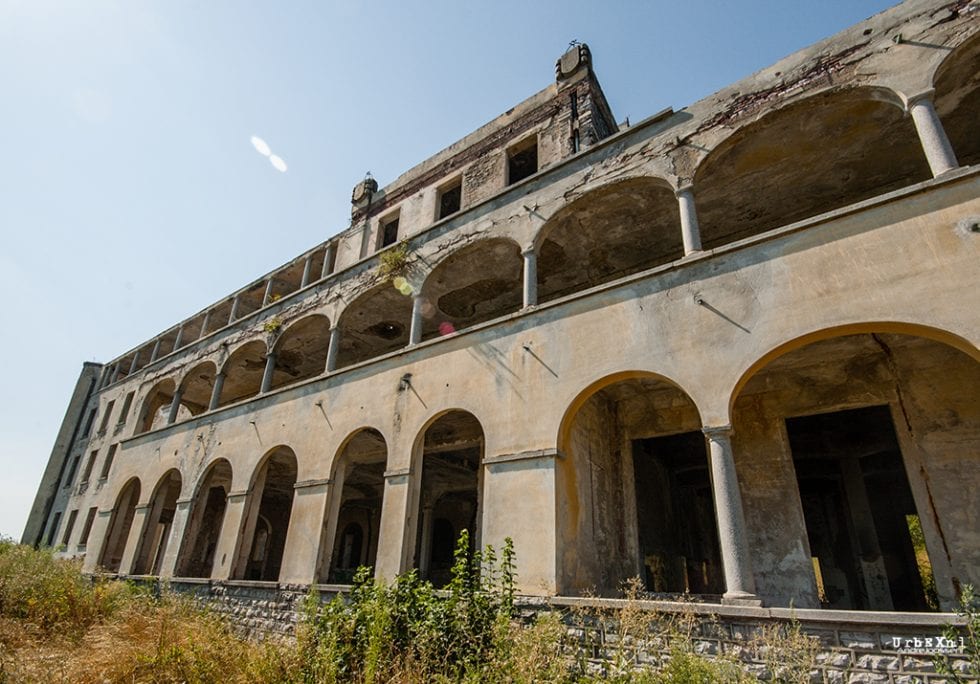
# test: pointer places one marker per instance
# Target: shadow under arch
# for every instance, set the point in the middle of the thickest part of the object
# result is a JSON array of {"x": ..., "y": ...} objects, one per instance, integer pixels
[
  {"x": 633, "y": 490},
  {"x": 155, "y": 535},
  {"x": 611, "y": 231},
  {"x": 868, "y": 430},
  {"x": 243, "y": 372},
  {"x": 811, "y": 156},
  {"x": 160, "y": 396},
  {"x": 270, "y": 496},
  {"x": 301, "y": 351},
  {"x": 196, "y": 388},
  {"x": 356, "y": 499},
  {"x": 957, "y": 99},
  {"x": 478, "y": 282},
  {"x": 209, "y": 500},
  {"x": 447, "y": 478},
  {"x": 895, "y": 327},
  {"x": 378, "y": 321},
  {"x": 120, "y": 523}
]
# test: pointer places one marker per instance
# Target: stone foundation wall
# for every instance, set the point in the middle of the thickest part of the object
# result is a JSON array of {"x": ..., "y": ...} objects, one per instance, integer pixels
[{"x": 853, "y": 646}]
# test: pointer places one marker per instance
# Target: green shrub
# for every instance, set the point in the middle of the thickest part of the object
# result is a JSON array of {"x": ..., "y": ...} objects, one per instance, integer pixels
[{"x": 52, "y": 593}]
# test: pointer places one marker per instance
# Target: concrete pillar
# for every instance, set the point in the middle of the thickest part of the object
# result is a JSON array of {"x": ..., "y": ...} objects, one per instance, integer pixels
[
  {"x": 739, "y": 581},
  {"x": 939, "y": 153},
  {"x": 336, "y": 500},
  {"x": 394, "y": 552},
  {"x": 228, "y": 540},
  {"x": 96, "y": 540},
  {"x": 268, "y": 291},
  {"x": 234, "y": 310},
  {"x": 872, "y": 565},
  {"x": 177, "y": 529},
  {"x": 104, "y": 377},
  {"x": 175, "y": 406},
  {"x": 415, "y": 333},
  {"x": 132, "y": 366},
  {"x": 530, "y": 277},
  {"x": 425, "y": 544},
  {"x": 115, "y": 373},
  {"x": 328, "y": 257},
  {"x": 307, "y": 268},
  {"x": 219, "y": 383},
  {"x": 333, "y": 348},
  {"x": 180, "y": 337},
  {"x": 205, "y": 323},
  {"x": 156, "y": 350},
  {"x": 690, "y": 231},
  {"x": 305, "y": 533},
  {"x": 133, "y": 541},
  {"x": 270, "y": 366}
]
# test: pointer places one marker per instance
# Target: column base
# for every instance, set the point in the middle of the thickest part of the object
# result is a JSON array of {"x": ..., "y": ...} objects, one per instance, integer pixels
[{"x": 741, "y": 598}]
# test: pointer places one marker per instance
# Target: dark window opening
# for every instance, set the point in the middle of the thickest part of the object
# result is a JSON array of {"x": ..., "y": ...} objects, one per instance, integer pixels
[
  {"x": 108, "y": 462},
  {"x": 450, "y": 200},
  {"x": 389, "y": 232},
  {"x": 522, "y": 162},
  {"x": 127, "y": 404},
  {"x": 678, "y": 533},
  {"x": 90, "y": 422},
  {"x": 69, "y": 526},
  {"x": 72, "y": 471},
  {"x": 87, "y": 473},
  {"x": 54, "y": 528},
  {"x": 860, "y": 516},
  {"x": 105, "y": 418},
  {"x": 89, "y": 519}
]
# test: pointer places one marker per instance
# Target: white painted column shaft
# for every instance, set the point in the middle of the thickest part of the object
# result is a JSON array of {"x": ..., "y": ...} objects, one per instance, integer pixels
[
  {"x": 932, "y": 136},
  {"x": 333, "y": 349},
  {"x": 690, "y": 231},
  {"x": 415, "y": 334},
  {"x": 530, "y": 278}
]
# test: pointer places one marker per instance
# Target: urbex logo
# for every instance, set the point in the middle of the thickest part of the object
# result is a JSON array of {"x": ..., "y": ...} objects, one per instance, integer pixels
[{"x": 937, "y": 644}]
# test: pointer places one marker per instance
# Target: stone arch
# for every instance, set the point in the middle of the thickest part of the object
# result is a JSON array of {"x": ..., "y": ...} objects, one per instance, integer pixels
[
  {"x": 270, "y": 497},
  {"x": 854, "y": 442},
  {"x": 156, "y": 404},
  {"x": 301, "y": 351},
  {"x": 473, "y": 284},
  {"x": 957, "y": 99},
  {"x": 609, "y": 232},
  {"x": 447, "y": 484},
  {"x": 811, "y": 156},
  {"x": 155, "y": 536},
  {"x": 195, "y": 389},
  {"x": 633, "y": 490},
  {"x": 120, "y": 523},
  {"x": 243, "y": 372},
  {"x": 377, "y": 322},
  {"x": 205, "y": 520},
  {"x": 356, "y": 497}
]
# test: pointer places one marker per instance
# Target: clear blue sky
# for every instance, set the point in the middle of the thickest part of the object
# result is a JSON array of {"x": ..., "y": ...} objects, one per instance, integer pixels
[{"x": 131, "y": 197}]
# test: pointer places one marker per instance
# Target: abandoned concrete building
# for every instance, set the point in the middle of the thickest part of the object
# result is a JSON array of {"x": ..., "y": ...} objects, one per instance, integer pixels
[{"x": 731, "y": 349}]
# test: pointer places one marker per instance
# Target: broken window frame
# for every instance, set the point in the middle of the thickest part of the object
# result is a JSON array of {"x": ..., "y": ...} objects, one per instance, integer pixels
[
  {"x": 383, "y": 241},
  {"x": 453, "y": 185},
  {"x": 520, "y": 148}
]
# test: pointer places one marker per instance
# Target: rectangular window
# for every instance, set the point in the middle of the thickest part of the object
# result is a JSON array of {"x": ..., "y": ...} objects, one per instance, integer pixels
[
  {"x": 89, "y": 464},
  {"x": 69, "y": 526},
  {"x": 450, "y": 199},
  {"x": 54, "y": 528},
  {"x": 522, "y": 160},
  {"x": 127, "y": 404},
  {"x": 89, "y": 519},
  {"x": 105, "y": 418},
  {"x": 72, "y": 471},
  {"x": 90, "y": 422},
  {"x": 108, "y": 462},
  {"x": 389, "y": 231}
]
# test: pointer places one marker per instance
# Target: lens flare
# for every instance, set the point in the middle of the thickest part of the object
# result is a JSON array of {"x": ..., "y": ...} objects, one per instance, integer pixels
[
  {"x": 261, "y": 146},
  {"x": 427, "y": 309},
  {"x": 278, "y": 163},
  {"x": 446, "y": 328}
]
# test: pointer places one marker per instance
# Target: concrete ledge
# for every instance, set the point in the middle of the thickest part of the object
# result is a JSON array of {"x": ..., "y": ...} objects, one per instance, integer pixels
[{"x": 520, "y": 456}]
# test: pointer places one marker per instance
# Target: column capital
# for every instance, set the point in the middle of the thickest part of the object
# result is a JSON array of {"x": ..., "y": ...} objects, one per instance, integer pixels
[
  {"x": 927, "y": 94},
  {"x": 684, "y": 189},
  {"x": 717, "y": 431},
  {"x": 529, "y": 251}
]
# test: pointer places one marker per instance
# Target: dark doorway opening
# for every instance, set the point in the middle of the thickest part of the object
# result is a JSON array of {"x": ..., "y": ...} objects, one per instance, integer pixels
[
  {"x": 865, "y": 539},
  {"x": 678, "y": 531}
]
